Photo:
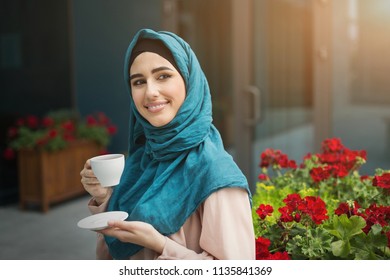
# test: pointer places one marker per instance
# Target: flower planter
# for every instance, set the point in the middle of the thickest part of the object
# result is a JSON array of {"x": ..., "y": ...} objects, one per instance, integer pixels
[{"x": 52, "y": 177}]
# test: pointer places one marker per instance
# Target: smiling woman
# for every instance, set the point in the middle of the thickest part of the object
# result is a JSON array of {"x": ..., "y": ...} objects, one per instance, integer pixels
[{"x": 185, "y": 196}]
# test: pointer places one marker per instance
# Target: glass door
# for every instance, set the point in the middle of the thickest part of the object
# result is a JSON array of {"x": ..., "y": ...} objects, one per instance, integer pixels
[
  {"x": 283, "y": 72},
  {"x": 361, "y": 87},
  {"x": 321, "y": 67},
  {"x": 287, "y": 74},
  {"x": 257, "y": 56}
]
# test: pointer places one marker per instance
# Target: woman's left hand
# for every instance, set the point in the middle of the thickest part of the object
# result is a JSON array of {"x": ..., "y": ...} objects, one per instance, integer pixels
[{"x": 139, "y": 233}]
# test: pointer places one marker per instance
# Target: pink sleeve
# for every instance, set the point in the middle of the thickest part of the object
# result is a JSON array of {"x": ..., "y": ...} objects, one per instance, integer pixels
[
  {"x": 227, "y": 229},
  {"x": 175, "y": 251},
  {"x": 102, "y": 252}
]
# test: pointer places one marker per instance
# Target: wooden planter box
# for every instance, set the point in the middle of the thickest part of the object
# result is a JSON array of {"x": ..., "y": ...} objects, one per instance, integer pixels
[{"x": 52, "y": 177}]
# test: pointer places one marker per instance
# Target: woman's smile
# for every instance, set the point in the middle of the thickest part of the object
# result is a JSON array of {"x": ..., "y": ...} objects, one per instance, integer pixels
[{"x": 156, "y": 107}]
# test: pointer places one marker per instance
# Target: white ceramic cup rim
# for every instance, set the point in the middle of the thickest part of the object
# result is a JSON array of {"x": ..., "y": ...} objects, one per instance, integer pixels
[{"x": 107, "y": 157}]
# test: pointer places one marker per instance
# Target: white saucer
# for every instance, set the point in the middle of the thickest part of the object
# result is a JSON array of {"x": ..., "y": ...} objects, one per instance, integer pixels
[{"x": 99, "y": 221}]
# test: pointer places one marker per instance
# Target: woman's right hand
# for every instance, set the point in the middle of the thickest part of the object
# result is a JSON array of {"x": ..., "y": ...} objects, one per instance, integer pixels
[{"x": 92, "y": 186}]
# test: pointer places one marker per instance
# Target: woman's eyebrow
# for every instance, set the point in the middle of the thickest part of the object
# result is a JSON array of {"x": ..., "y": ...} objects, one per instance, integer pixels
[
  {"x": 136, "y": 76},
  {"x": 161, "y": 69},
  {"x": 155, "y": 70}
]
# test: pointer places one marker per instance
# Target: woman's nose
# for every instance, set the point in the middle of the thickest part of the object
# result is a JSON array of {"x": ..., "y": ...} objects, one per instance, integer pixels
[{"x": 151, "y": 90}]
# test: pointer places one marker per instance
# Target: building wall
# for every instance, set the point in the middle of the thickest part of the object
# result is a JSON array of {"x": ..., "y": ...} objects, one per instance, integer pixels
[
  {"x": 66, "y": 54},
  {"x": 102, "y": 31}
]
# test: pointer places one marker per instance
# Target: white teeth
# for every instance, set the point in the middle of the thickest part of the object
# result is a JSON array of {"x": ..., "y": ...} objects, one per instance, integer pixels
[{"x": 156, "y": 106}]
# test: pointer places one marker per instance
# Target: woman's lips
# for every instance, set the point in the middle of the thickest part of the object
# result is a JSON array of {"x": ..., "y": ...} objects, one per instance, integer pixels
[{"x": 156, "y": 107}]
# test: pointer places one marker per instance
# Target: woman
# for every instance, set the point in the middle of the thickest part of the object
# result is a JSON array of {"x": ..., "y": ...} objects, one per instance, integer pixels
[{"x": 185, "y": 197}]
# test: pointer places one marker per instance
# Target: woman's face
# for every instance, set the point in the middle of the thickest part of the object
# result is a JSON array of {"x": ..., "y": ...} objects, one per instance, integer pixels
[{"x": 158, "y": 89}]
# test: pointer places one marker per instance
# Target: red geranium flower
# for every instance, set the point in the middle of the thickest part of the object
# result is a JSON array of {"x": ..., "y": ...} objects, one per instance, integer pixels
[
  {"x": 32, "y": 121},
  {"x": 286, "y": 214},
  {"x": 262, "y": 245},
  {"x": 112, "y": 129},
  {"x": 339, "y": 170},
  {"x": 263, "y": 177},
  {"x": 315, "y": 208},
  {"x": 382, "y": 181},
  {"x": 91, "y": 121},
  {"x": 345, "y": 208},
  {"x": 279, "y": 256},
  {"x": 263, "y": 253},
  {"x": 319, "y": 174},
  {"x": 68, "y": 126},
  {"x": 293, "y": 201},
  {"x": 332, "y": 145},
  {"x": 271, "y": 157},
  {"x": 52, "y": 133},
  {"x": 376, "y": 215},
  {"x": 264, "y": 210},
  {"x": 47, "y": 122}
]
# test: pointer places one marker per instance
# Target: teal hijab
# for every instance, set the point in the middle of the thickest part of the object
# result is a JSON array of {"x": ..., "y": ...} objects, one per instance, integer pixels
[{"x": 171, "y": 170}]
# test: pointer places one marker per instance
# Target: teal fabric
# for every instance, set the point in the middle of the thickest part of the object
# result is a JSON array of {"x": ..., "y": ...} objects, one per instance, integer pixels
[{"x": 177, "y": 166}]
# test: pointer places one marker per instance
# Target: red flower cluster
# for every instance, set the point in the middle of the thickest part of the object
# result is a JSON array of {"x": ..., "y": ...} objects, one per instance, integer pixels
[
  {"x": 262, "y": 252},
  {"x": 271, "y": 157},
  {"x": 264, "y": 210},
  {"x": 49, "y": 127},
  {"x": 382, "y": 181},
  {"x": 101, "y": 120},
  {"x": 65, "y": 130},
  {"x": 336, "y": 160},
  {"x": 55, "y": 131},
  {"x": 374, "y": 214},
  {"x": 310, "y": 207}
]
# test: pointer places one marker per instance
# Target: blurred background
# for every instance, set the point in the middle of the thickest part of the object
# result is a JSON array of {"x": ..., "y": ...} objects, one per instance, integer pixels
[{"x": 284, "y": 74}]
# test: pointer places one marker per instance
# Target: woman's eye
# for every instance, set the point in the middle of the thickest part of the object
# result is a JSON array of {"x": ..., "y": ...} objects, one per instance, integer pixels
[
  {"x": 164, "y": 76},
  {"x": 138, "y": 82}
]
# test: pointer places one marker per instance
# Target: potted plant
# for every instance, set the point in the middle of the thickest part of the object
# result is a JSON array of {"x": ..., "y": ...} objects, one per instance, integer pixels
[
  {"x": 323, "y": 208},
  {"x": 52, "y": 150}
]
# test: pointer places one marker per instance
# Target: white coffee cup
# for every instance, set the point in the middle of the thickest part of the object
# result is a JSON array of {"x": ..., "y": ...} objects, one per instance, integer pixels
[{"x": 108, "y": 168}]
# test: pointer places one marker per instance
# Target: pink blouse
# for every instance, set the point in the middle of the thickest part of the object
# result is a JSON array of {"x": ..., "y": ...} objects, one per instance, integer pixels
[{"x": 221, "y": 228}]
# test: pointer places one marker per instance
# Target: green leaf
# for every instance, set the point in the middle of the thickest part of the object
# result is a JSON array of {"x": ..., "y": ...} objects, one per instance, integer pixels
[
  {"x": 375, "y": 230},
  {"x": 344, "y": 228},
  {"x": 341, "y": 248}
]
